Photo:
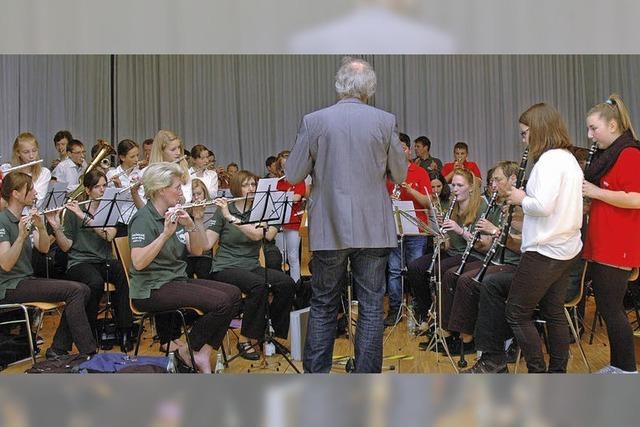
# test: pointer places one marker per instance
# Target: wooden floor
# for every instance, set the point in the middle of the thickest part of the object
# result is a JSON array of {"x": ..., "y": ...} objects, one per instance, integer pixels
[{"x": 400, "y": 350}]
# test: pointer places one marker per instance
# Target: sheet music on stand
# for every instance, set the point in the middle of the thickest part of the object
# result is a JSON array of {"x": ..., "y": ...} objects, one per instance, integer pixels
[
  {"x": 55, "y": 197},
  {"x": 113, "y": 208},
  {"x": 408, "y": 224},
  {"x": 272, "y": 207}
]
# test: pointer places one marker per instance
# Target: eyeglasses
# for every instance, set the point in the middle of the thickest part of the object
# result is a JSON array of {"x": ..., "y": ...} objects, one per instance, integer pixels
[
  {"x": 79, "y": 152},
  {"x": 523, "y": 133}
]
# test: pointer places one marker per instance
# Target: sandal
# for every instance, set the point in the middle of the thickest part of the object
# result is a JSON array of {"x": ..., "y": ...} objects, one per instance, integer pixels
[
  {"x": 182, "y": 367},
  {"x": 247, "y": 351}
]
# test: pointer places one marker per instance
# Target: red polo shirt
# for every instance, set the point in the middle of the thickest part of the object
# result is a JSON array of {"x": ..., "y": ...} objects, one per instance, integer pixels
[
  {"x": 296, "y": 214},
  {"x": 419, "y": 180},
  {"x": 613, "y": 236},
  {"x": 471, "y": 166}
]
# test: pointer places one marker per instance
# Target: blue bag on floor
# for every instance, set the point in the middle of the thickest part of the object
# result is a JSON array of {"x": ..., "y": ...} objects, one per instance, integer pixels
[{"x": 109, "y": 363}]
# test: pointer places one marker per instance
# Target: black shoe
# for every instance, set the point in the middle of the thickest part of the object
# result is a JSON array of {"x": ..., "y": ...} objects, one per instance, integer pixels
[
  {"x": 54, "y": 353},
  {"x": 469, "y": 348},
  {"x": 125, "y": 342},
  {"x": 391, "y": 318},
  {"x": 512, "y": 353},
  {"x": 247, "y": 351},
  {"x": 484, "y": 366}
]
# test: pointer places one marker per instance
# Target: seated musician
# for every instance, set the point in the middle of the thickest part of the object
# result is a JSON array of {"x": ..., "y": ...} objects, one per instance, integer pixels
[
  {"x": 91, "y": 261},
  {"x": 236, "y": 262},
  {"x": 17, "y": 284},
  {"x": 464, "y": 213},
  {"x": 160, "y": 238},
  {"x": 460, "y": 293}
]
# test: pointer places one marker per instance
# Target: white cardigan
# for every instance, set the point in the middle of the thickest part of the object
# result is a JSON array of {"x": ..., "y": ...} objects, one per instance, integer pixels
[{"x": 553, "y": 206}]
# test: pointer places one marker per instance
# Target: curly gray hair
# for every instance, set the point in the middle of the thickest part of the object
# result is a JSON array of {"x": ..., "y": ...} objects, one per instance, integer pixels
[{"x": 355, "y": 78}]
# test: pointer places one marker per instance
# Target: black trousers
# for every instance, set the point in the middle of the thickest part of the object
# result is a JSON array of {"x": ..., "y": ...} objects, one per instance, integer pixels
[
  {"x": 610, "y": 286},
  {"x": 93, "y": 275},
  {"x": 74, "y": 294},
  {"x": 252, "y": 284},
  {"x": 218, "y": 301},
  {"x": 540, "y": 281},
  {"x": 419, "y": 280},
  {"x": 462, "y": 295},
  {"x": 492, "y": 329}
]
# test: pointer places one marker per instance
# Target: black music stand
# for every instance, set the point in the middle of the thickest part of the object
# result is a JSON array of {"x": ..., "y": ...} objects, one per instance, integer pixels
[
  {"x": 114, "y": 207},
  {"x": 270, "y": 208}
]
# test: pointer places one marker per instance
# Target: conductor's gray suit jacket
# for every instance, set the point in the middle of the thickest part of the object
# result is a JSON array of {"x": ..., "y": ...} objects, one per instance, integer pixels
[{"x": 348, "y": 148}]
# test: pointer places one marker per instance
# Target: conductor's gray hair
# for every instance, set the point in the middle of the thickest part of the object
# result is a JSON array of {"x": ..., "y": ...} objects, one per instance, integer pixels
[{"x": 355, "y": 78}]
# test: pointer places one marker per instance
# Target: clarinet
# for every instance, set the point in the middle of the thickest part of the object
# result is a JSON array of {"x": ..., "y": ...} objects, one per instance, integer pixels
[
  {"x": 476, "y": 234},
  {"x": 446, "y": 217},
  {"x": 592, "y": 151},
  {"x": 501, "y": 242}
]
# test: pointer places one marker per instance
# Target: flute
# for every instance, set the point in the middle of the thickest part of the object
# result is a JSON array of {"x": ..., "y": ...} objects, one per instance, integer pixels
[
  {"x": 139, "y": 182},
  {"x": 125, "y": 171},
  {"x": 174, "y": 210},
  {"x": 50, "y": 210},
  {"x": 26, "y": 165}
]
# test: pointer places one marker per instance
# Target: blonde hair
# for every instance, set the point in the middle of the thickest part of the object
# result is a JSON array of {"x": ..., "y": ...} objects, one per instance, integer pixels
[
  {"x": 158, "y": 176},
  {"x": 198, "y": 183},
  {"x": 547, "y": 130},
  {"x": 15, "y": 159},
  {"x": 160, "y": 142},
  {"x": 615, "y": 109},
  {"x": 469, "y": 216}
]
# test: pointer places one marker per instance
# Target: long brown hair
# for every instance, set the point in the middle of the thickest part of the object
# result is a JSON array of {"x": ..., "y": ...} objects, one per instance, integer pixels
[
  {"x": 547, "y": 130},
  {"x": 615, "y": 109},
  {"x": 469, "y": 216}
]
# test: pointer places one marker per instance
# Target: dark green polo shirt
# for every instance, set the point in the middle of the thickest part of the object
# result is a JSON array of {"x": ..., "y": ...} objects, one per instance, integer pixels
[
  {"x": 169, "y": 265},
  {"x": 236, "y": 249},
  {"x": 510, "y": 257},
  {"x": 23, "y": 268},
  {"x": 87, "y": 246},
  {"x": 457, "y": 243}
]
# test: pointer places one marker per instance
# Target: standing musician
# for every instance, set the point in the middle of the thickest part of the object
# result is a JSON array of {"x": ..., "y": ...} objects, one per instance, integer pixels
[
  {"x": 289, "y": 238},
  {"x": 160, "y": 238},
  {"x": 460, "y": 290},
  {"x": 91, "y": 261},
  {"x": 237, "y": 262},
  {"x": 552, "y": 207},
  {"x": 416, "y": 188},
  {"x": 466, "y": 211},
  {"x": 611, "y": 247},
  {"x": 27, "y": 150},
  {"x": 17, "y": 284}
]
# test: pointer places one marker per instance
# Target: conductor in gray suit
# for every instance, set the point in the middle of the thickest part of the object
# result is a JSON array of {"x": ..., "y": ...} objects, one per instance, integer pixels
[{"x": 349, "y": 149}]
